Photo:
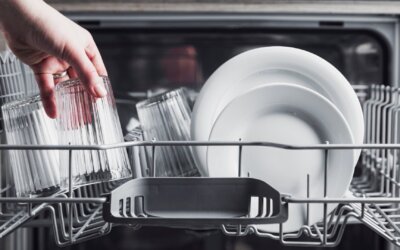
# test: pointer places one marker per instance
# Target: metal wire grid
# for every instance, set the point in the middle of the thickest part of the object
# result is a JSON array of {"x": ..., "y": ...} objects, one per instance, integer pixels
[
  {"x": 87, "y": 220},
  {"x": 375, "y": 203},
  {"x": 73, "y": 218},
  {"x": 376, "y": 211}
]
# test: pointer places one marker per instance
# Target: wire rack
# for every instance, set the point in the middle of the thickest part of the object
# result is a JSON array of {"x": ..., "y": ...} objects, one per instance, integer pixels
[
  {"x": 75, "y": 214},
  {"x": 74, "y": 218},
  {"x": 376, "y": 208}
]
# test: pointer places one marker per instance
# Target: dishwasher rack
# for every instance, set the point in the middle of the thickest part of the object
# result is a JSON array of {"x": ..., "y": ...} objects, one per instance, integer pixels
[{"x": 76, "y": 214}]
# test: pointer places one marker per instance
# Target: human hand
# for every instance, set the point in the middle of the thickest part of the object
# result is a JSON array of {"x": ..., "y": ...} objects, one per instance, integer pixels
[{"x": 51, "y": 43}]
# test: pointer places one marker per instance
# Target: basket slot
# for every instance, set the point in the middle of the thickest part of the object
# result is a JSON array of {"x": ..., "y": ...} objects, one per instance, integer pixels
[
  {"x": 121, "y": 207},
  {"x": 128, "y": 211},
  {"x": 139, "y": 206},
  {"x": 261, "y": 207}
]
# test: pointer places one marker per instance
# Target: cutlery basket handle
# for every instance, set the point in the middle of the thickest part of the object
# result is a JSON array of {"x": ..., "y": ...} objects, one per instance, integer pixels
[{"x": 195, "y": 202}]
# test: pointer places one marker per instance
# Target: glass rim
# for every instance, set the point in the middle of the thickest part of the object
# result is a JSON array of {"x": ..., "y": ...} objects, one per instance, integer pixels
[
  {"x": 74, "y": 82},
  {"x": 162, "y": 97},
  {"x": 135, "y": 134},
  {"x": 26, "y": 101}
]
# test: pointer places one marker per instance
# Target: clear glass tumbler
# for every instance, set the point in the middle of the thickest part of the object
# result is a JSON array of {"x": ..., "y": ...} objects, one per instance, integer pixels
[
  {"x": 166, "y": 117},
  {"x": 34, "y": 171},
  {"x": 30, "y": 84},
  {"x": 11, "y": 88},
  {"x": 85, "y": 120},
  {"x": 137, "y": 154}
]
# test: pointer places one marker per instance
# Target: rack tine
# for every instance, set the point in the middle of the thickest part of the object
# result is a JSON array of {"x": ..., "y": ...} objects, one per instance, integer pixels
[
  {"x": 325, "y": 219},
  {"x": 71, "y": 194},
  {"x": 308, "y": 196},
  {"x": 240, "y": 160},
  {"x": 153, "y": 155},
  {"x": 326, "y": 170}
]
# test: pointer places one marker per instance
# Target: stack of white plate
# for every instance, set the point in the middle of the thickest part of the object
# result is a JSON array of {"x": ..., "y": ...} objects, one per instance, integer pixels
[{"x": 282, "y": 95}]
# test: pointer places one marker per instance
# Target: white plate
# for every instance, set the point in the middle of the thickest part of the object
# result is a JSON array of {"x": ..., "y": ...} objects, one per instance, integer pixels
[
  {"x": 268, "y": 65},
  {"x": 289, "y": 114}
]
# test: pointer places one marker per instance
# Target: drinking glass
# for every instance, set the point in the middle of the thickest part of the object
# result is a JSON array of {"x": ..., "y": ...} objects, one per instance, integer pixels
[
  {"x": 11, "y": 88},
  {"x": 34, "y": 171},
  {"x": 85, "y": 120},
  {"x": 30, "y": 84},
  {"x": 138, "y": 157},
  {"x": 166, "y": 117}
]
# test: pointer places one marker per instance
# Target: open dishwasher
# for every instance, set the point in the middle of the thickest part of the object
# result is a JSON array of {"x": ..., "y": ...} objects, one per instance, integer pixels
[{"x": 146, "y": 54}]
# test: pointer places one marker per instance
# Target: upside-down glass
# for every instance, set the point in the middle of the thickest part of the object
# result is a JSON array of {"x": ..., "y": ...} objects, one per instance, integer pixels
[
  {"x": 85, "y": 120},
  {"x": 137, "y": 154},
  {"x": 11, "y": 88},
  {"x": 30, "y": 84},
  {"x": 166, "y": 117},
  {"x": 34, "y": 171}
]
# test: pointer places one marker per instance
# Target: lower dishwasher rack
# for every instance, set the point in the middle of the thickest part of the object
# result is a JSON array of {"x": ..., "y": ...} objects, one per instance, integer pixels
[{"x": 83, "y": 213}]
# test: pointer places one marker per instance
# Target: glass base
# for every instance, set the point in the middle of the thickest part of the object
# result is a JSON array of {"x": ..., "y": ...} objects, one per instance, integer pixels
[
  {"x": 93, "y": 178},
  {"x": 40, "y": 193}
]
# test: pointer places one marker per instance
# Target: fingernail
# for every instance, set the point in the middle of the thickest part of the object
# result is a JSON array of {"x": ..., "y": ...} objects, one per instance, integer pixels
[
  {"x": 99, "y": 89},
  {"x": 51, "y": 111}
]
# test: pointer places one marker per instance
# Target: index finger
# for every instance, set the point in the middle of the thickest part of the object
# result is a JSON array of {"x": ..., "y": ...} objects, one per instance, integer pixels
[
  {"x": 86, "y": 71},
  {"x": 46, "y": 86},
  {"x": 94, "y": 55}
]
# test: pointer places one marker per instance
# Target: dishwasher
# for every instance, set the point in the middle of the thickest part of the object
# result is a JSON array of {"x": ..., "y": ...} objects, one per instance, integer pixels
[{"x": 149, "y": 53}]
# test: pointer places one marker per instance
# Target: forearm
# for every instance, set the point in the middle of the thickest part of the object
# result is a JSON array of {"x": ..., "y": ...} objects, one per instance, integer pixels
[
  {"x": 15, "y": 13},
  {"x": 33, "y": 23}
]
